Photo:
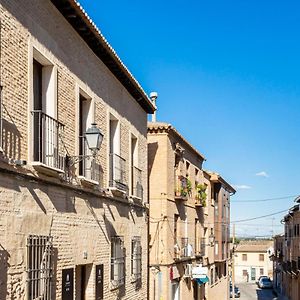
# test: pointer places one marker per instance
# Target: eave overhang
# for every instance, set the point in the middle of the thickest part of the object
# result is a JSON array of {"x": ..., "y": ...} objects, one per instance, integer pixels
[{"x": 88, "y": 31}]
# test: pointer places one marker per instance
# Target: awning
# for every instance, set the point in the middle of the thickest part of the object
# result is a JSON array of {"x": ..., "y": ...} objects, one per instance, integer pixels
[{"x": 201, "y": 281}]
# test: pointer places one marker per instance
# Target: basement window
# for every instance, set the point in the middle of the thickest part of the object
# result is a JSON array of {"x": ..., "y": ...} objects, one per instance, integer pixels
[
  {"x": 117, "y": 271},
  {"x": 39, "y": 267},
  {"x": 136, "y": 258}
]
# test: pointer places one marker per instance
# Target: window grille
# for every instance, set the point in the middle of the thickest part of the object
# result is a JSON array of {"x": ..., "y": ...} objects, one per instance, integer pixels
[
  {"x": 136, "y": 258},
  {"x": 117, "y": 261},
  {"x": 39, "y": 267}
]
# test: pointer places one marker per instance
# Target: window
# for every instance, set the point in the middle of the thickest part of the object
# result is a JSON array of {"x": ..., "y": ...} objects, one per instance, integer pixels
[
  {"x": 216, "y": 248},
  {"x": 88, "y": 168},
  {"x": 245, "y": 273},
  {"x": 136, "y": 173},
  {"x": 39, "y": 267},
  {"x": 47, "y": 147},
  {"x": 176, "y": 246},
  {"x": 117, "y": 274},
  {"x": 244, "y": 257},
  {"x": 261, "y": 257},
  {"x": 1, "y": 119},
  {"x": 117, "y": 163},
  {"x": 136, "y": 258},
  {"x": 197, "y": 237},
  {"x": 261, "y": 271}
]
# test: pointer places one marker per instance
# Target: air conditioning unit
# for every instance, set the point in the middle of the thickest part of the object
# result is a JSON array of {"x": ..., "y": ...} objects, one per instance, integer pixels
[{"x": 188, "y": 271}]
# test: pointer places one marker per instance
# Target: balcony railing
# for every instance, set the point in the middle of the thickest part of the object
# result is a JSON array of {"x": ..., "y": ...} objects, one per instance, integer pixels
[
  {"x": 182, "y": 188},
  {"x": 186, "y": 248},
  {"x": 137, "y": 187},
  {"x": 48, "y": 147},
  {"x": 200, "y": 246},
  {"x": 117, "y": 172},
  {"x": 88, "y": 166},
  {"x": 203, "y": 247}
]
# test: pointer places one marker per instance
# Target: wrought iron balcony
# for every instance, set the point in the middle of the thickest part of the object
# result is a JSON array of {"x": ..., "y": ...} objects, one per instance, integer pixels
[
  {"x": 137, "y": 187},
  {"x": 88, "y": 166},
  {"x": 48, "y": 147},
  {"x": 186, "y": 248},
  {"x": 182, "y": 188},
  {"x": 117, "y": 172}
]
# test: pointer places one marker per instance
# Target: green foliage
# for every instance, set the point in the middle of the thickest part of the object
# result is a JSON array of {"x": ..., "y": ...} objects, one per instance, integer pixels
[{"x": 201, "y": 193}]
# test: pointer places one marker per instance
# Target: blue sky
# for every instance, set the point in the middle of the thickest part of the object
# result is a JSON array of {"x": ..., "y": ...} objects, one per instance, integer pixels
[{"x": 227, "y": 74}]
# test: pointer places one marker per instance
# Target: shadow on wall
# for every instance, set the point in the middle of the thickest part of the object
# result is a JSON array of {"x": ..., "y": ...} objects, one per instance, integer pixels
[
  {"x": 152, "y": 150},
  {"x": 3, "y": 272},
  {"x": 11, "y": 137},
  {"x": 55, "y": 281}
]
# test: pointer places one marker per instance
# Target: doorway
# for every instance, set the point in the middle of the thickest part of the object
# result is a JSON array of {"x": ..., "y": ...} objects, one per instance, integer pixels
[
  {"x": 82, "y": 274},
  {"x": 175, "y": 290}
]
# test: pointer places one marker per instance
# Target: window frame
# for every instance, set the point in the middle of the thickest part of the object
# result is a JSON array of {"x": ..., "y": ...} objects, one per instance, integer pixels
[
  {"x": 117, "y": 264},
  {"x": 244, "y": 257},
  {"x": 136, "y": 258},
  {"x": 37, "y": 246}
]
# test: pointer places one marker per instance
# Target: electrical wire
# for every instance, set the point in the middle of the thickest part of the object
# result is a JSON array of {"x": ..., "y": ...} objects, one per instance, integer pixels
[
  {"x": 260, "y": 217},
  {"x": 263, "y": 200}
]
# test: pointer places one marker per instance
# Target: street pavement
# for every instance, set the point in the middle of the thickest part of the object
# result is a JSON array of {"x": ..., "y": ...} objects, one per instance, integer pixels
[{"x": 250, "y": 291}]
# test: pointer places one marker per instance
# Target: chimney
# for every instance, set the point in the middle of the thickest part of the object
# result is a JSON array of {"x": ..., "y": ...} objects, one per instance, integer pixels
[{"x": 153, "y": 97}]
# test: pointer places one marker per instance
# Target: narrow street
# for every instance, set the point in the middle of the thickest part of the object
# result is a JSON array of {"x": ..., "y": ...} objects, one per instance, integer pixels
[{"x": 250, "y": 291}]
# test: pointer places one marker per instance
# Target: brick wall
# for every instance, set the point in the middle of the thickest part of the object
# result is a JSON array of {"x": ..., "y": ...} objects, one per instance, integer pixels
[{"x": 79, "y": 218}]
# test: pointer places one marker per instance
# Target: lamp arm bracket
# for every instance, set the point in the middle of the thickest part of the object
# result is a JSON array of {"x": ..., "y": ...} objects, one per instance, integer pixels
[{"x": 75, "y": 159}]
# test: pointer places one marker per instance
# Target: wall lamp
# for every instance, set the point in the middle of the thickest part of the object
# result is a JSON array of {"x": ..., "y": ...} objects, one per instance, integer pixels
[{"x": 93, "y": 137}]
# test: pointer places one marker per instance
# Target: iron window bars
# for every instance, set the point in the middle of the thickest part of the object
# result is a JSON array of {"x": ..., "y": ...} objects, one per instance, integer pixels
[
  {"x": 117, "y": 172},
  {"x": 48, "y": 146},
  {"x": 39, "y": 267},
  {"x": 117, "y": 274},
  {"x": 136, "y": 258},
  {"x": 137, "y": 187},
  {"x": 88, "y": 166}
]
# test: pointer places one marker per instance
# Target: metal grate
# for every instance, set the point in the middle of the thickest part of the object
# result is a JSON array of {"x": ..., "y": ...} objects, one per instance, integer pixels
[
  {"x": 117, "y": 172},
  {"x": 39, "y": 267},
  {"x": 47, "y": 140},
  {"x": 88, "y": 166},
  {"x": 117, "y": 261},
  {"x": 137, "y": 182},
  {"x": 136, "y": 258}
]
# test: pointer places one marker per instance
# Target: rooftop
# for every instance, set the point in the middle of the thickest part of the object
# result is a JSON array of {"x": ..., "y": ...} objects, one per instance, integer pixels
[
  {"x": 89, "y": 32},
  {"x": 254, "y": 246},
  {"x": 156, "y": 127}
]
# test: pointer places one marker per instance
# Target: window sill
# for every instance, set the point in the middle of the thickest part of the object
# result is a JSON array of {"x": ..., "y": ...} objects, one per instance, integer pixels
[
  {"x": 117, "y": 192},
  {"x": 87, "y": 182},
  {"x": 114, "y": 286},
  {"x": 42, "y": 168}
]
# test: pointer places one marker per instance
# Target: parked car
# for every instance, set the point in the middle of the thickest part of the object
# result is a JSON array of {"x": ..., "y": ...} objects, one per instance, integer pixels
[
  {"x": 237, "y": 293},
  {"x": 265, "y": 283},
  {"x": 260, "y": 277}
]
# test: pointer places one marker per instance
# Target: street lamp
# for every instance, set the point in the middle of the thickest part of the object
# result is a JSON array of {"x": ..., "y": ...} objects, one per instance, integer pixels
[
  {"x": 211, "y": 239},
  {"x": 93, "y": 137}
]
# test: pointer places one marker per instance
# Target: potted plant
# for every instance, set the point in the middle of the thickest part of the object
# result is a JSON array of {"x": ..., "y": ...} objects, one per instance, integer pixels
[{"x": 201, "y": 195}]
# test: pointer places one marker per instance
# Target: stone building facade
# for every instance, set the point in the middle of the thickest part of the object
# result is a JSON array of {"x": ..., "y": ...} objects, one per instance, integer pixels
[
  {"x": 252, "y": 260},
  {"x": 287, "y": 255},
  {"x": 182, "y": 220},
  {"x": 73, "y": 222}
]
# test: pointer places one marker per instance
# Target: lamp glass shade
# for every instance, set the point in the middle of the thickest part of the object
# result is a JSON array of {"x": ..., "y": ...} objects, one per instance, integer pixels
[
  {"x": 94, "y": 138},
  {"x": 211, "y": 239}
]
